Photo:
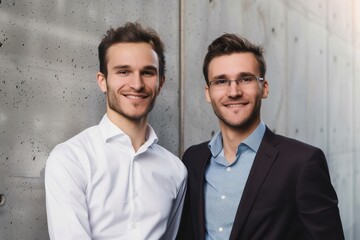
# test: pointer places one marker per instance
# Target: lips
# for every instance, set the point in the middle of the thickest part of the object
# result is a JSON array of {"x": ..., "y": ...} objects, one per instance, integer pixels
[
  {"x": 235, "y": 104},
  {"x": 135, "y": 95}
]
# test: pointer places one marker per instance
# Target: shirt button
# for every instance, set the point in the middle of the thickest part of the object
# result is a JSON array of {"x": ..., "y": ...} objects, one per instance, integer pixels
[
  {"x": 221, "y": 229},
  {"x": 223, "y": 197},
  {"x": 133, "y": 226},
  {"x": 228, "y": 169}
]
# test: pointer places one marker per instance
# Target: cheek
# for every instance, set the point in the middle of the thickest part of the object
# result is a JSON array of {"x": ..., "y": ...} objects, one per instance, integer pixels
[
  {"x": 154, "y": 90},
  {"x": 115, "y": 84},
  {"x": 216, "y": 97},
  {"x": 256, "y": 92}
]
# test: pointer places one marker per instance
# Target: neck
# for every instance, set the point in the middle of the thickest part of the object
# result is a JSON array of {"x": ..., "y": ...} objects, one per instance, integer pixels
[
  {"x": 135, "y": 129},
  {"x": 231, "y": 141},
  {"x": 232, "y": 137}
]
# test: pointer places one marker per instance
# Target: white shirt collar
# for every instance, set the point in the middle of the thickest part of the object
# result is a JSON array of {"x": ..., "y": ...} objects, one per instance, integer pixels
[{"x": 109, "y": 131}]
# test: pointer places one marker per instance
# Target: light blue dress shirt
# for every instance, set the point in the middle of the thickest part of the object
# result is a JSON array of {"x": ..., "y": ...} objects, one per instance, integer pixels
[{"x": 225, "y": 182}]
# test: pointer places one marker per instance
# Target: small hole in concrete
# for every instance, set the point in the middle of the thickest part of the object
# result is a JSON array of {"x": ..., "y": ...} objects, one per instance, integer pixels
[{"x": 2, "y": 199}]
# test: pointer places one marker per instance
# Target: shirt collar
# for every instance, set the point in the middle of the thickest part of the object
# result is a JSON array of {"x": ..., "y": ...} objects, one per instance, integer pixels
[
  {"x": 253, "y": 141},
  {"x": 110, "y": 131}
]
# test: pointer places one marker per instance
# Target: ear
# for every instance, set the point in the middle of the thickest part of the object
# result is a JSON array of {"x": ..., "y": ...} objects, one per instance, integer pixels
[
  {"x": 161, "y": 83},
  {"x": 207, "y": 94},
  {"x": 101, "y": 81},
  {"x": 265, "y": 89}
]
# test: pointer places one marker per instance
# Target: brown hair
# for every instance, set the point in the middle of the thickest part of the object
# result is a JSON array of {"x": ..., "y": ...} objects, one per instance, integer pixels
[
  {"x": 131, "y": 33},
  {"x": 227, "y": 44}
]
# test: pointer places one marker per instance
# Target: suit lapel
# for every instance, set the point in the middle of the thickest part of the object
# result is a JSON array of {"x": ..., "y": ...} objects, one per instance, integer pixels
[{"x": 263, "y": 161}]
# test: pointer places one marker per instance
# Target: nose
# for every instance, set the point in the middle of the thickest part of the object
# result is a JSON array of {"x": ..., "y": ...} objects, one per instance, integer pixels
[
  {"x": 234, "y": 89},
  {"x": 137, "y": 82}
]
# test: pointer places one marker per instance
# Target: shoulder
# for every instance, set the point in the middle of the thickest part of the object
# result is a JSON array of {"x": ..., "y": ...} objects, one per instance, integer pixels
[
  {"x": 291, "y": 151},
  {"x": 73, "y": 149},
  {"x": 69, "y": 162},
  {"x": 81, "y": 139},
  {"x": 196, "y": 153},
  {"x": 294, "y": 145},
  {"x": 284, "y": 143},
  {"x": 197, "y": 148}
]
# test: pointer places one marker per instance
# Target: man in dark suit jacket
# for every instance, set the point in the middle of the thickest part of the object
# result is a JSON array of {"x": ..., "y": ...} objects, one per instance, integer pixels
[{"x": 247, "y": 182}]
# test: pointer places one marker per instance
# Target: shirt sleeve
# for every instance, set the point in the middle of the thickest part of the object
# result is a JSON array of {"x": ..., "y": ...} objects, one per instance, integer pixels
[
  {"x": 65, "y": 185},
  {"x": 176, "y": 212},
  {"x": 317, "y": 201}
]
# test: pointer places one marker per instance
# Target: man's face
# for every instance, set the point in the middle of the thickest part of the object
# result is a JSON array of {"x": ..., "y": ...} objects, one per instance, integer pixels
[
  {"x": 133, "y": 80},
  {"x": 238, "y": 105}
]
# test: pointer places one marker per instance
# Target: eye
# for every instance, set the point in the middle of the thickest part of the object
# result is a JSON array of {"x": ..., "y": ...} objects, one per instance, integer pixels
[
  {"x": 123, "y": 72},
  {"x": 148, "y": 73},
  {"x": 220, "y": 82},
  {"x": 247, "y": 79}
]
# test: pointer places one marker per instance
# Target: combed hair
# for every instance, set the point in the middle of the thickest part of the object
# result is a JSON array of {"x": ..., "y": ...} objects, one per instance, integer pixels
[
  {"x": 131, "y": 33},
  {"x": 227, "y": 44}
]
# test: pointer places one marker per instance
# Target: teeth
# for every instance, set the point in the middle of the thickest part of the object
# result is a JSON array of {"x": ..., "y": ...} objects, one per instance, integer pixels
[
  {"x": 135, "y": 97},
  {"x": 235, "y": 105}
]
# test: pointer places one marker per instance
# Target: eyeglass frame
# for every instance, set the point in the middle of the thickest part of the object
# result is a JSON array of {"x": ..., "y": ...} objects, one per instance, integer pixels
[{"x": 240, "y": 80}]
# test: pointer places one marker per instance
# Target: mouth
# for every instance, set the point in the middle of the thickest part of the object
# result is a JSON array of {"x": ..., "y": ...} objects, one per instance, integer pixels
[
  {"x": 234, "y": 105},
  {"x": 135, "y": 96}
]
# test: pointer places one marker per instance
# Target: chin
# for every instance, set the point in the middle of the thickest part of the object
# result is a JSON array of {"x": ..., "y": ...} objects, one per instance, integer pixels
[{"x": 136, "y": 116}]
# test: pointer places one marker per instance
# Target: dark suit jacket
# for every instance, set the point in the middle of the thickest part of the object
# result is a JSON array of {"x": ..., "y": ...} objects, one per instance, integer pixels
[{"x": 288, "y": 194}]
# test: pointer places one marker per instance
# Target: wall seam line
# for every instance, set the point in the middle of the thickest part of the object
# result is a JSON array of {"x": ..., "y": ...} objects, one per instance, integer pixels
[{"x": 181, "y": 79}]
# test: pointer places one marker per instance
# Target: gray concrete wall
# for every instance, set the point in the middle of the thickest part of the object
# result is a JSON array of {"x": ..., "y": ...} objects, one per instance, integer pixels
[{"x": 48, "y": 91}]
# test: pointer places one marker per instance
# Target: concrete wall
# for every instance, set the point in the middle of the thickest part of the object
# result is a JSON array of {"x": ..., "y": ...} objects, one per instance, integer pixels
[{"x": 48, "y": 92}]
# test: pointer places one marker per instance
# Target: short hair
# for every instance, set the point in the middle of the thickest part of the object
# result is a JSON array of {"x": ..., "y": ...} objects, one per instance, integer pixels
[
  {"x": 227, "y": 44},
  {"x": 131, "y": 33}
]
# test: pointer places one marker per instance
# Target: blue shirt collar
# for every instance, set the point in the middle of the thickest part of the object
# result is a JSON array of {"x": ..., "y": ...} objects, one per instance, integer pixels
[{"x": 253, "y": 141}]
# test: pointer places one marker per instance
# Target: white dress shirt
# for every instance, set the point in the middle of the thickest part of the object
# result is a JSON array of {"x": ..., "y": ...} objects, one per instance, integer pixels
[{"x": 98, "y": 187}]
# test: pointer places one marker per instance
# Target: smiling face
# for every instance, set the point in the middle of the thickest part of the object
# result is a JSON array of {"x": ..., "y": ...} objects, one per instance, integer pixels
[
  {"x": 236, "y": 106},
  {"x": 132, "y": 82}
]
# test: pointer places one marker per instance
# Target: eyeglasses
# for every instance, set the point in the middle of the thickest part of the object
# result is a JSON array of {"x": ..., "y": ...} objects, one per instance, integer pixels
[{"x": 244, "y": 80}]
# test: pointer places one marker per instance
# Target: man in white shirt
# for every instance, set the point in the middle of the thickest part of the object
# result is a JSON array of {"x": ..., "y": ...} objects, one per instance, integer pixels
[{"x": 113, "y": 181}]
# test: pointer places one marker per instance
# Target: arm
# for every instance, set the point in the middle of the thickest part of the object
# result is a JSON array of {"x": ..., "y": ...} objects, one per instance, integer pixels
[
  {"x": 65, "y": 185},
  {"x": 175, "y": 215},
  {"x": 317, "y": 201}
]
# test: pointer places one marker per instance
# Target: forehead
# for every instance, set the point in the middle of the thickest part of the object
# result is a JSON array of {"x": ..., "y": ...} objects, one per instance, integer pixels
[
  {"x": 234, "y": 64},
  {"x": 131, "y": 54}
]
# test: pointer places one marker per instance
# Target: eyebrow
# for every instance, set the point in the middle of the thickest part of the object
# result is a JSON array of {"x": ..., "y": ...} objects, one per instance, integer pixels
[
  {"x": 224, "y": 76},
  {"x": 121, "y": 67},
  {"x": 149, "y": 67},
  {"x": 243, "y": 74},
  {"x": 221, "y": 76}
]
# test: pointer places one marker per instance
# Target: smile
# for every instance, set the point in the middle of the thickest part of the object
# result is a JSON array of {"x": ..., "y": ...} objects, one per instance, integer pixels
[
  {"x": 132, "y": 96},
  {"x": 235, "y": 104}
]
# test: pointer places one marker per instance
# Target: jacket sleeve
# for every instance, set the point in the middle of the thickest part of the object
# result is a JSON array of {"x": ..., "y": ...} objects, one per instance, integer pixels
[
  {"x": 317, "y": 202},
  {"x": 186, "y": 224}
]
